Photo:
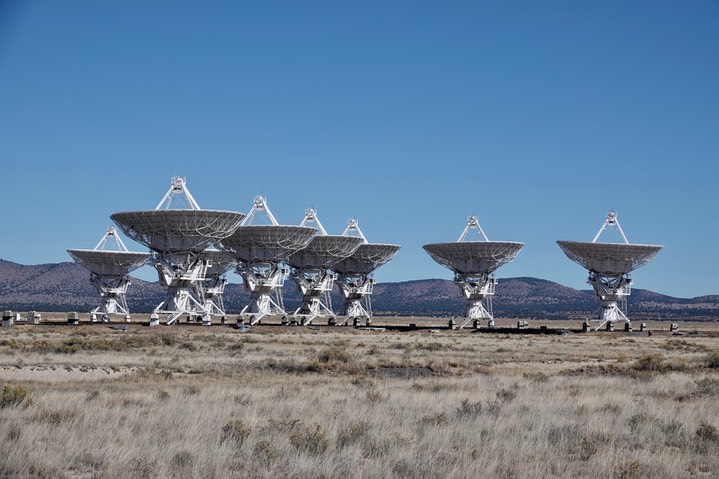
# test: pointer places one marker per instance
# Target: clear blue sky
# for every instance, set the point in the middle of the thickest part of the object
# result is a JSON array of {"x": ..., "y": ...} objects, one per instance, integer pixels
[{"x": 539, "y": 117}]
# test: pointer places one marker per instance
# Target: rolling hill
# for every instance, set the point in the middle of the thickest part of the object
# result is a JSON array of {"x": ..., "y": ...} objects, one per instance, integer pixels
[{"x": 66, "y": 287}]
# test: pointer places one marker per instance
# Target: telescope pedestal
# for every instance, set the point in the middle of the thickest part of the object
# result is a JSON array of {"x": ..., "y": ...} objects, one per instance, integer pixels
[
  {"x": 183, "y": 283},
  {"x": 211, "y": 293},
  {"x": 315, "y": 286},
  {"x": 357, "y": 291},
  {"x": 611, "y": 290},
  {"x": 264, "y": 281},
  {"x": 478, "y": 291},
  {"x": 113, "y": 290}
]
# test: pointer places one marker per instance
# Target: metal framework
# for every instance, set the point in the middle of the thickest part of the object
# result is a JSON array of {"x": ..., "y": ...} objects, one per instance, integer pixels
[
  {"x": 177, "y": 193},
  {"x": 609, "y": 265},
  {"x": 109, "y": 273},
  {"x": 178, "y": 239},
  {"x": 261, "y": 252},
  {"x": 311, "y": 270},
  {"x": 212, "y": 288},
  {"x": 354, "y": 273},
  {"x": 473, "y": 264}
]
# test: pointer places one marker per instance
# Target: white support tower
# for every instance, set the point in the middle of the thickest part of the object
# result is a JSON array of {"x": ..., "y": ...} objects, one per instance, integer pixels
[
  {"x": 178, "y": 239},
  {"x": 311, "y": 270},
  {"x": 609, "y": 265},
  {"x": 478, "y": 291},
  {"x": 473, "y": 264},
  {"x": 183, "y": 277},
  {"x": 212, "y": 288},
  {"x": 354, "y": 273},
  {"x": 109, "y": 273},
  {"x": 261, "y": 252}
]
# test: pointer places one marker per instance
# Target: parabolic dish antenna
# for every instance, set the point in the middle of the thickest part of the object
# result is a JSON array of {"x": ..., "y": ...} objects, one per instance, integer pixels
[
  {"x": 473, "y": 263},
  {"x": 367, "y": 258},
  {"x": 311, "y": 270},
  {"x": 109, "y": 270},
  {"x": 258, "y": 243},
  {"x": 261, "y": 251},
  {"x": 355, "y": 279},
  {"x": 178, "y": 231},
  {"x": 609, "y": 258},
  {"x": 609, "y": 265},
  {"x": 110, "y": 263},
  {"x": 474, "y": 257},
  {"x": 178, "y": 237},
  {"x": 324, "y": 251}
]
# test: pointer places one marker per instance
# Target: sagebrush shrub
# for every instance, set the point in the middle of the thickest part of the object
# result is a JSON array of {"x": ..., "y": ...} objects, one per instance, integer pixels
[
  {"x": 374, "y": 395},
  {"x": 506, "y": 395},
  {"x": 707, "y": 386},
  {"x": 14, "y": 396},
  {"x": 469, "y": 410},
  {"x": 13, "y": 433},
  {"x": 437, "y": 419},
  {"x": 632, "y": 470},
  {"x": 235, "y": 431},
  {"x": 713, "y": 360},
  {"x": 333, "y": 354},
  {"x": 306, "y": 439},
  {"x": 265, "y": 452},
  {"x": 707, "y": 432},
  {"x": 651, "y": 362},
  {"x": 183, "y": 459},
  {"x": 352, "y": 433}
]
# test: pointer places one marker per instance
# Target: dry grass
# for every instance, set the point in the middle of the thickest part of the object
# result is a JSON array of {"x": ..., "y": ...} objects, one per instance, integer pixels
[{"x": 94, "y": 402}]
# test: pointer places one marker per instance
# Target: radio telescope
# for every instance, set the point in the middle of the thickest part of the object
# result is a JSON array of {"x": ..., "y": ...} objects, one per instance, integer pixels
[
  {"x": 109, "y": 272},
  {"x": 261, "y": 252},
  {"x": 311, "y": 269},
  {"x": 474, "y": 263},
  {"x": 609, "y": 265},
  {"x": 178, "y": 238},
  {"x": 355, "y": 279}
]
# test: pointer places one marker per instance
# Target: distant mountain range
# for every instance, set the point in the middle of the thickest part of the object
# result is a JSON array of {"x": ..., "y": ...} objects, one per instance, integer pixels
[{"x": 66, "y": 287}]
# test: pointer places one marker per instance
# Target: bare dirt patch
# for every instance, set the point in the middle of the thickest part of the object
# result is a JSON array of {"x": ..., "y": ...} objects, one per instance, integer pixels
[{"x": 51, "y": 373}]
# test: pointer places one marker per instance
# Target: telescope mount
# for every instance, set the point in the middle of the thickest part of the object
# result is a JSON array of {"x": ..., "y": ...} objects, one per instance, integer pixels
[
  {"x": 609, "y": 265},
  {"x": 311, "y": 270},
  {"x": 109, "y": 273},
  {"x": 178, "y": 238},
  {"x": 354, "y": 274},
  {"x": 473, "y": 264},
  {"x": 261, "y": 252}
]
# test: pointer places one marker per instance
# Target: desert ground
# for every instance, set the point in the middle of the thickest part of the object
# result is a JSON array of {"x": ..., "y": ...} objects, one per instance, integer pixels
[{"x": 123, "y": 400}]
